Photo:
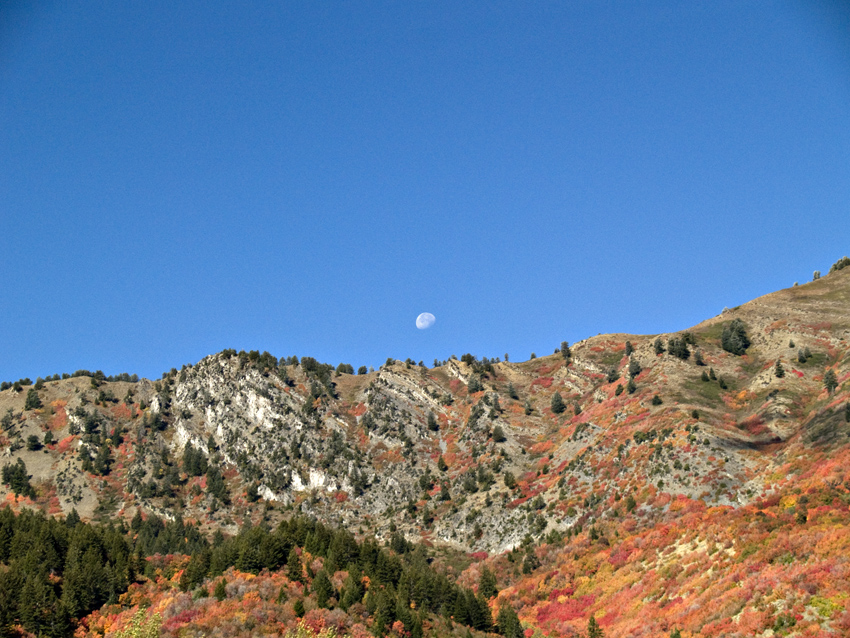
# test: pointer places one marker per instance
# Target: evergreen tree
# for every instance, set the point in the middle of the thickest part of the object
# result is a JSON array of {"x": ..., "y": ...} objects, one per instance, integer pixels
[
  {"x": 679, "y": 349},
  {"x": 704, "y": 376},
  {"x": 384, "y": 612},
  {"x": 508, "y": 622},
  {"x": 527, "y": 408},
  {"x": 322, "y": 588},
  {"x": 498, "y": 434},
  {"x": 352, "y": 590},
  {"x": 33, "y": 401},
  {"x": 612, "y": 375},
  {"x": 557, "y": 403},
  {"x": 830, "y": 381},
  {"x": 778, "y": 370},
  {"x": 487, "y": 584},
  {"x": 220, "y": 593},
  {"x": 658, "y": 346},
  {"x": 432, "y": 422},
  {"x": 629, "y": 348},
  {"x": 512, "y": 393},
  {"x": 196, "y": 571},
  {"x": 593, "y": 629},
  {"x": 631, "y": 387},
  {"x": 17, "y": 478},
  {"x": 734, "y": 337},
  {"x": 294, "y": 569},
  {"x": 216, "y": 485},
  {"x": 634, "y": 368},
  {"x": 565, "y": 350}
]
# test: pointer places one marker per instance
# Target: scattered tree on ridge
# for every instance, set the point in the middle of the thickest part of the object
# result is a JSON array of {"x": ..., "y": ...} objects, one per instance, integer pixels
[{"x": 734, "y": 337}]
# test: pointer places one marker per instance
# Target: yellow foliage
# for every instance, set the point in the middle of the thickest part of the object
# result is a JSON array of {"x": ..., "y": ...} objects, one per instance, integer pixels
[{"x": 141, "y": 626}]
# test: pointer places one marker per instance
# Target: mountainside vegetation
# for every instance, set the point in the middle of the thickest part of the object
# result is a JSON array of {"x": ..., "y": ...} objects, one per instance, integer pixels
[{"x": 685, "y": 484}]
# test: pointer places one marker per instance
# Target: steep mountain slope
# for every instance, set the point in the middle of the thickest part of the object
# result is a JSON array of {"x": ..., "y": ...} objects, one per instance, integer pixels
[
  {"x": 364, "y": 450},
  {"x": 624, "y": 457}
]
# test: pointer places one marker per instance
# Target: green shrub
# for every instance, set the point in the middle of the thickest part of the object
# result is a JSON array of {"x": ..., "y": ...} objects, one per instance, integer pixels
[
  {"x": 840, "y": 264},
  {"x": 499, "y": 434}
]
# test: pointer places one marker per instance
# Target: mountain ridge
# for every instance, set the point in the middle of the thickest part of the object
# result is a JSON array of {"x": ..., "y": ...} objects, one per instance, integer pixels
[{"x": 541, "y": 464}]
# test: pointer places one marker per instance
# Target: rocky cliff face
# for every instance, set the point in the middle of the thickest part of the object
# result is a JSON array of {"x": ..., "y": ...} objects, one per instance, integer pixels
[{"x": 474, "y": 453}]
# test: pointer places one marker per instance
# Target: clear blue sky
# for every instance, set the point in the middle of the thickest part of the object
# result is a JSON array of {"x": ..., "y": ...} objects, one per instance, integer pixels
[{"x": 305, "y": 178}]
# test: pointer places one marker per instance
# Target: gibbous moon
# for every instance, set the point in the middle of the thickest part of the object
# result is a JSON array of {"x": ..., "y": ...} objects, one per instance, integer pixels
[{"x": 425, "y": 320}]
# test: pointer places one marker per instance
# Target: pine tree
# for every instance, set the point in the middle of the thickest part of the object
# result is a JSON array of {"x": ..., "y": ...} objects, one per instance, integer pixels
[
  {"x": 487, "y": 584},
  {"x": 830, "y": 381},
  {"x": 294, "y": 570},
  {"x": 352, "y": 591},
  {"x": 629, "y": 348},
  {"x": 557, "y": 403},
  {"x": 17, "y": 477},
  {"x": 778, "y": 370},
  {"x": 432, "y": 422},
  {"x": 631, "y": 387},
  {"x": 220, "y": 593},
  {"x": 734, "y": 337},
  {"x": 508, "y": 622},
  {"x": 658, "y": 346},
  {"x": 593, "y": 629},
  {"x": 322, "y": 588},
  {"x": 33, "y": 401},
  {"x": 565, "y": 350},
  {"x": 634, "y": 368}
]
